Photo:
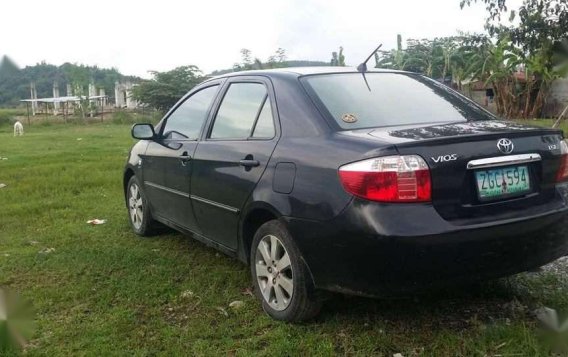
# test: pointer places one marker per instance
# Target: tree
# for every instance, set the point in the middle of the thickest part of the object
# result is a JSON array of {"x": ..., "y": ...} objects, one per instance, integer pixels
[
  {"x": 9, "y": 74},
  {"x": 393, "y": 59},
  {"x": 494, "y": 7},
  {"x": 341, "y": 57},
  {"x": 166, "y": 88},
  {"x": 8, "y": 67},
  {"x": 337, "y": 58},
  {"x": 421, "y": 56},
  {"x": 496, "y": 64},
  {"x": 246, "y": 57},
  {"x": 277, "y": 60},
  {"x": 541, "y": 37},
  {"x": 15, "y": 83},
  {"x": 424, "y": 56},
  {"x": 334, "y": 60},
  {"x": 281, "y": 55}
]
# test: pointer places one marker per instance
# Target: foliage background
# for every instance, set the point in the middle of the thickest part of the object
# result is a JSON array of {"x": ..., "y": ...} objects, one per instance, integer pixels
[{"x": 15, "y": 81}]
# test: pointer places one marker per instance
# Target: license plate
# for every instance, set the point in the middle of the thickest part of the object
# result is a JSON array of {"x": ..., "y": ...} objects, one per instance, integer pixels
[{"x": 502, "y": 182}]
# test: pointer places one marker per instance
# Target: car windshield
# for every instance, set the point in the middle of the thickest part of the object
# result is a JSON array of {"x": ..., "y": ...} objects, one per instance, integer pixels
[{"x": 387, "y": 99}]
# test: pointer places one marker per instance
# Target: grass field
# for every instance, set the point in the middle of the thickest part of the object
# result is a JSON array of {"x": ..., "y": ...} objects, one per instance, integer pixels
[{"x": 101, "y": 290}]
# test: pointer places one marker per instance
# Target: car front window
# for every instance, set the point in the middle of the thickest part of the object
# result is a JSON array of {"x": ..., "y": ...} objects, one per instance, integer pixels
[{"x": 186, "y": 121}]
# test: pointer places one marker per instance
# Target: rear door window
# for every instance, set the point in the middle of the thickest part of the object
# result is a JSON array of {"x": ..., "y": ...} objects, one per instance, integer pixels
[
  {"x": 264, "y": 127},
  {"x": 240, "y": 109}
]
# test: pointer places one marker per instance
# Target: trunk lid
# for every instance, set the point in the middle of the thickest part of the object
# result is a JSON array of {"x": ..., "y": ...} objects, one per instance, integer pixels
[{"x": 449, "y": 148}]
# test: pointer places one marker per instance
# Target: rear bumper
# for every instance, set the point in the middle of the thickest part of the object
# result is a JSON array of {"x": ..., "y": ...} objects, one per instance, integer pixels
[{"x": 411, "y": 248}]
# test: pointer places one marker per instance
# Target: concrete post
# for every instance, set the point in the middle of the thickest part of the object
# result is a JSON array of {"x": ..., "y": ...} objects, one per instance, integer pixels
[
  {"x": 117, "y": 96},
  {"x": 92, "y": 90},
  {"x": 103, "y": 99},
  {"x": 55, "y": 95},
  {"x": 127, "y": 95},
  {"x": 33, "y": 95}
]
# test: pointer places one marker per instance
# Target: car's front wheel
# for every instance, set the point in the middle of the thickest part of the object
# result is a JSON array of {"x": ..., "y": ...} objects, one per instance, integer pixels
[
  {"x": 281, "y": 279},
  {"x": 138, "y": 209}
]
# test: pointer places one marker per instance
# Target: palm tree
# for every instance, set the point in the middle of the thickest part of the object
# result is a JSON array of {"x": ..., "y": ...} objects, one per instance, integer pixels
[{"x": 496, "y": 64}]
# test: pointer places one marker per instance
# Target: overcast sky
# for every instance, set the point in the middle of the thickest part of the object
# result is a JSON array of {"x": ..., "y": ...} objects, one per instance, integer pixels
[{"x": 136, "y": 37}]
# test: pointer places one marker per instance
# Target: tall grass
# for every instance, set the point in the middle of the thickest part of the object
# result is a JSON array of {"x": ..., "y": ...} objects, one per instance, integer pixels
[{"x": 8, "y": 116}]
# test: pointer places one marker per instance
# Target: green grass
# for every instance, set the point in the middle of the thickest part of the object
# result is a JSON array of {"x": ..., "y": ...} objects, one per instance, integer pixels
[{"x": 104, "y": 291}]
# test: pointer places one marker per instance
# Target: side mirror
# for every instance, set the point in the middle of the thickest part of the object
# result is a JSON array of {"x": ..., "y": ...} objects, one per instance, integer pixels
[{"x": 143, "y": 131}]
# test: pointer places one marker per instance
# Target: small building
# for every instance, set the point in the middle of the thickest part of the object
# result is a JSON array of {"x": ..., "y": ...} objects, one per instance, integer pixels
[
  {"x": 123, "y": 95},
  {"x": 480, "y": 93}
]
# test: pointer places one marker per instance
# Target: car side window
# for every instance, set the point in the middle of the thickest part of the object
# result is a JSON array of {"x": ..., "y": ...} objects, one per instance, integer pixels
[
  {"x": 264, "y": 127},
  {"x": 186, "y": 121},
  {"x": 239, "y": 110}
]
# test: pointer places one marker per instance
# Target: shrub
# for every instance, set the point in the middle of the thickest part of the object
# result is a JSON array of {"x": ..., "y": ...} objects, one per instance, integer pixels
[
  {"x": 122, "y": 117},
  {"x": 8, "y": 116},
  {"x": 127, "y": 117}
]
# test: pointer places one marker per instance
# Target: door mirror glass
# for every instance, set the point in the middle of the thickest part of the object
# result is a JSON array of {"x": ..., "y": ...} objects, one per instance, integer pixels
[{"x": 143, "y": 131}]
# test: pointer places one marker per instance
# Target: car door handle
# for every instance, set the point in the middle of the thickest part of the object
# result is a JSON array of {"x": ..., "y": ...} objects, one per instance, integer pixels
[
  {"x": 184, "y": 158},
  {"x": 249, "y": 163}
]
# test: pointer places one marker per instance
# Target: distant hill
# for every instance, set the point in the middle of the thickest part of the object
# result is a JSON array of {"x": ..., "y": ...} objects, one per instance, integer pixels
[
  {"x": 15, "y": 82},
  {"x": 287, "y": 64}
]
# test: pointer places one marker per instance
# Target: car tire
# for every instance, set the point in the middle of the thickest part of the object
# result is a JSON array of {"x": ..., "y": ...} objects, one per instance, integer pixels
[
  {"x": 280, "y": 277},
  {"x": 139, "y": 214}
]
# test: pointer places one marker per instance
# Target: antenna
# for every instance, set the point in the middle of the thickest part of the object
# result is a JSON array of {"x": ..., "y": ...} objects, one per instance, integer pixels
[{"x": 363, "y": 66}]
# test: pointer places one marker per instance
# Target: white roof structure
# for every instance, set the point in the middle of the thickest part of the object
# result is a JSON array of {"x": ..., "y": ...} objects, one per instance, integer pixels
[{"x": 62, "y": 99}]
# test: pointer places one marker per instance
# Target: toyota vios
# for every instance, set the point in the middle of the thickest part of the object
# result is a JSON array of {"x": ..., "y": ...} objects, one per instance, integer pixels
[{"x": 377, "y": 183}]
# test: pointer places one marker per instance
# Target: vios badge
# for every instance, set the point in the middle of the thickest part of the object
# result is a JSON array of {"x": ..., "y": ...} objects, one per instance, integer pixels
[
  {"x": 445, "y": 158},
  {"x": 506, "y": 146}
]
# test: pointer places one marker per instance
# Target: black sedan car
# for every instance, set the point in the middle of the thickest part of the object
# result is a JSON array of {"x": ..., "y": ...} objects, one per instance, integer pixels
[{"x": 379, "y": 183}]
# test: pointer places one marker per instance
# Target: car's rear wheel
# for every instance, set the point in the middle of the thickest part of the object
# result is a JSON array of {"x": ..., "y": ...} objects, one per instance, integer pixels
[
  {"x": 281, "y": 279},
  {"x": 138, "y": 210}
]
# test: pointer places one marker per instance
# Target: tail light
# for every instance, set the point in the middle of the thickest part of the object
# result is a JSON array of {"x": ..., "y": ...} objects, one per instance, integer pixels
[
  {"x": 388, "y": 179},
  {"x": 562, "y": 174}
]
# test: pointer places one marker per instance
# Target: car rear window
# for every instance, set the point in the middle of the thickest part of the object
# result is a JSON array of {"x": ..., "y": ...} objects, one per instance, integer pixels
[{"x": 385, "y": 99}]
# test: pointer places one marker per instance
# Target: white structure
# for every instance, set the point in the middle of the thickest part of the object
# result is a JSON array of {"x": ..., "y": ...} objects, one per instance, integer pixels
[
  {"x": 55, "y": 95},
  {"x": 92, "y": 89},
  {"x": 60, "y": 105},
  {"x": 104, "y": 98},
  {"x": 123, "y": 96},
  {"x": 33, "y": 95}
]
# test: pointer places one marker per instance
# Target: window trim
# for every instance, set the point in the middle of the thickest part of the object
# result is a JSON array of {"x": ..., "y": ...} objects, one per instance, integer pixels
[
  {"x": 258, "y": 115},
  {"x": 163, "y": 123},
  {"x": 225, "y": 90}
]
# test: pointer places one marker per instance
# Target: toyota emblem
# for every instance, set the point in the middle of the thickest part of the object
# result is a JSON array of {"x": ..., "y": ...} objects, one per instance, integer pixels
[{"x": 506, "y": 146}]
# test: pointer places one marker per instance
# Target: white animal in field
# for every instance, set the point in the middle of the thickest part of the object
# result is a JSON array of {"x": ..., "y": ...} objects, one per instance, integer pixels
[{"x": 18, "y": 129}]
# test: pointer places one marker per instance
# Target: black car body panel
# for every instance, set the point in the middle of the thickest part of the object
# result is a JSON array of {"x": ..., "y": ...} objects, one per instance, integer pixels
[
  {"x": 360, "y": 259},
  {"x": 350, "y": 244}
]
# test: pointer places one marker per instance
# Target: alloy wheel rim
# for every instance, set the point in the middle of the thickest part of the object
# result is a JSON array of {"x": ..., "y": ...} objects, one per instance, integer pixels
[
  {"x": 135, "y": 206},
  {"x": 274, "y": 272}
]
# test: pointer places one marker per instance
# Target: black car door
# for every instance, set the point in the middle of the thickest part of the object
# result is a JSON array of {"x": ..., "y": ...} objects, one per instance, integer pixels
[
  {"x": 233, "y": 155},
  {"x": 167, "y": 163}
]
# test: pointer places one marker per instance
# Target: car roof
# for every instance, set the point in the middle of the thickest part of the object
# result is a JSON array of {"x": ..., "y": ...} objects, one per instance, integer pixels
[{"x": 303, "y": 71}]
